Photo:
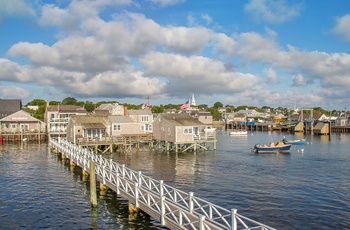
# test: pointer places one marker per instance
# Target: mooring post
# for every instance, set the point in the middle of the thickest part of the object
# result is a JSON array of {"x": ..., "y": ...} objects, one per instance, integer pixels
[{"x": 93, "y": 194}]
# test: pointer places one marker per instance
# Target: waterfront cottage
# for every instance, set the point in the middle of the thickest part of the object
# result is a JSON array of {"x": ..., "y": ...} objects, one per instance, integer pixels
[
  {"x": 57, "y": 116},
  {"x": 21, "y": 122},
  {"x": 124, "y": 125},
  {"x": 88, "y": 128},
  {"x": 143, "y": 117},
  {"x": 177, "y": 128}
]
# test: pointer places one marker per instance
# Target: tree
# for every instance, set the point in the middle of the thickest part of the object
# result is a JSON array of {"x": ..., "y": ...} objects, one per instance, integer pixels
[
  {"x": 69, "y": 101},
  {"x": 89, "y": 106},
  {"x": 157, "y": 109},
  {"x": 37, "y": 102},
  {"x": 218, "y": 105}
]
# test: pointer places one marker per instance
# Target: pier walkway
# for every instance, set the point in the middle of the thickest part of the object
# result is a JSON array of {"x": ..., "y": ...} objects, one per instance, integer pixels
[{"x": 172, "y": 207}]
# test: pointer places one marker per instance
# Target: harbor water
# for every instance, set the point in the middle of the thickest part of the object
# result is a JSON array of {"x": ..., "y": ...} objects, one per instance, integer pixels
[{"x": 307, "y": 188}]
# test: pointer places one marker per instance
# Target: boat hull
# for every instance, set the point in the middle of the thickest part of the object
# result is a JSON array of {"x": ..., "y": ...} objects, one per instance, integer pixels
[
  {"x": 296, "y": 142},
  {"x": 238, "y": 133},
  {"x": 272, "y": 149}
]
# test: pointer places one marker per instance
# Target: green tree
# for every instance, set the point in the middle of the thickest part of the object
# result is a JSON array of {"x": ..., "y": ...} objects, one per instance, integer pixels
[
  {"x": 218, "y": 105},
  {"x": 69, "y": 101},
  {"x": 157, "y": 109},
  {"x": 37, "y": 102},
  {"x": 89, "y": 106}
]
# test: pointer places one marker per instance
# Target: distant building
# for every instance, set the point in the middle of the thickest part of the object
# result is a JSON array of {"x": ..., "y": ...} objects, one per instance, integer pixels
[
  {"x": 9, "y": 106},
  {"x": 113, "y": 109}
]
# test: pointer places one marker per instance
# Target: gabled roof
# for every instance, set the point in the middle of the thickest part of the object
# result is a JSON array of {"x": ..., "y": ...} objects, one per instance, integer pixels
[
  {"x": 89, "y": 119},
  {"x": 120, "y": 119},
  {"x": 66, "y": 109},
  {"x": 140, "y": 112},
  {"x": 20, "y": 116},
  {"x": 181, "y": 119}
]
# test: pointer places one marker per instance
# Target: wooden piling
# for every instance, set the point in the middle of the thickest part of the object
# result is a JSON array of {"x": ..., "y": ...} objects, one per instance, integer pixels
[{"x": 93, "y": 194}]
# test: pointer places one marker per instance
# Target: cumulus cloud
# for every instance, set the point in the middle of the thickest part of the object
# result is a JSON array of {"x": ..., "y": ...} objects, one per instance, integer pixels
[
  {"x": 195, "y": 74},
  {"x": 130, "y": 55},
  {"x": 342, "y": 27},
  {"x": 13, "y": 92},
  {"x": 15, "y": 8},
  {"x": 298, "y": 80},
  {"x": 273, "y": 11},
  {"x": 270, "y": 75}
]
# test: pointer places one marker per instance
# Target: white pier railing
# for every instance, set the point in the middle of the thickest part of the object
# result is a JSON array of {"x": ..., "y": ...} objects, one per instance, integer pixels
[{"x": 173, "y": 208}]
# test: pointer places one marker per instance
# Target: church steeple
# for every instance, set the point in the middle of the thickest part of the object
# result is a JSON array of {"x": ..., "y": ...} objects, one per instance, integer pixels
[{"x": 193, "y": 101}]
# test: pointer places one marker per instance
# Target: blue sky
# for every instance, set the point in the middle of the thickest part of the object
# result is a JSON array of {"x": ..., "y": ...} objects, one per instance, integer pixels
[{"x": 280, "y": 53}]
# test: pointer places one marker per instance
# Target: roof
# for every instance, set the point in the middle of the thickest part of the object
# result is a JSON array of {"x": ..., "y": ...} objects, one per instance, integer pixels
[
  {"x": 120, "y": 119},
  {"x": 8, "y": 106},
  {"x": 89, "y": 119},
  {"x": 181, "y": 119},
  {"x": 140, "y": 112},
  {"x": 93, "y": 125},
  {"x": 66, "y": 108}
]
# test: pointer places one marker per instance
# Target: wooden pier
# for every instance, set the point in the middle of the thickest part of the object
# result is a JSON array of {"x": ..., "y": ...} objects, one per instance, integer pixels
[
  {"x": 172, "y": 207},
  {"x": 22, "y": 137}
]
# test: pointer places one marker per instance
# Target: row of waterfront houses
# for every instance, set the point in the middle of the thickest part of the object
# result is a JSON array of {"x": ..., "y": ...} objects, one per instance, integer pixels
[{"x": 109, "y": 120}]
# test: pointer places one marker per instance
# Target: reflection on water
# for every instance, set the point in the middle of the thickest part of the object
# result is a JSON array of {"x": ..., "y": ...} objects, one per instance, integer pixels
[{"x": 305, "y": 189}]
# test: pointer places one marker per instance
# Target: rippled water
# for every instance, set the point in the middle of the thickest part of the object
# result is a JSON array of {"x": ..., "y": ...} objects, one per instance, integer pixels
[{"x": 307, "y": 188}]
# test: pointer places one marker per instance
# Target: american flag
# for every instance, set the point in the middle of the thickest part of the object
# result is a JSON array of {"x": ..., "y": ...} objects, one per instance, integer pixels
[{"x": 185, "y": 105}]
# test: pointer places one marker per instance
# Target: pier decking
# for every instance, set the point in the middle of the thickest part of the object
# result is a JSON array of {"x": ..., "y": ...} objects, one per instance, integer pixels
[{"x": 172, "y": 207}]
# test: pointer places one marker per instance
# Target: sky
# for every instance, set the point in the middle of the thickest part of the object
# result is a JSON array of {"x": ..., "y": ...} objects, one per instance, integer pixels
[{"x": 276, "y": 53}]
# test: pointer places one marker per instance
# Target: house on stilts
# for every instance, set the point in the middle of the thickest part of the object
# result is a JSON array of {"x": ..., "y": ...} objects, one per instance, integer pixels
[{"x": 181, "y": 132}]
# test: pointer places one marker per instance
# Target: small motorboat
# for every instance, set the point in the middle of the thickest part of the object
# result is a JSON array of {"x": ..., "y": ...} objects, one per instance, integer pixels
[
  {"x": 294, "y": 142},
  {"x": 272, "y": 148},
  {"x": 239, "y": 133}
]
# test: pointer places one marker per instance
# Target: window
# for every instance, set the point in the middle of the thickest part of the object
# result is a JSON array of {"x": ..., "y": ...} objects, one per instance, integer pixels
[
  {"x": 117, "y": 127},
  {"x": 146, "y": 127},
  {"x": 13, "y": 126},
  {"x": 144, "y": 118},
  {"x": 188, "y": 130}
]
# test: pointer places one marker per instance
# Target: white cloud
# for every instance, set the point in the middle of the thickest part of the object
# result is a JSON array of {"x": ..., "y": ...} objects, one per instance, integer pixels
[
  {"x": 298, "y": 80},
  {"x": 13, "y": 92},
  {"x": 270, "y": 75},
  {"x": 342, "y": 27},
  {"x": 273, "y": 11},
  {"x": 167, "y": 2},
  {"x": 196, "y": 74},
  {"x": 15, "y": 8},
  {"x": 207, "y": 19}
]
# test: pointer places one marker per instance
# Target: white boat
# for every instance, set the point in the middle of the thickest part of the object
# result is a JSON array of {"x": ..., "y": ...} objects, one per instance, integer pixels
[
  {"x": 237, "y": 132},
  {"x": 209, "y": 129}
]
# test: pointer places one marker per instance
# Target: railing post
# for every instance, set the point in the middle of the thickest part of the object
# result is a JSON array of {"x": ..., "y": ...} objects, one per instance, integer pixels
[
  {"x": 139, "y": 178},
  {"x": 104, "y": 175},
  {"x": 190, "y": 201},
  {"x": 162, "y": 206},
  {"x": 118, "y": 183},
  {"x": 201, "y": 219},
  {"x": 233, "y": 219},
  {"x": 123, "y": 170},
  {"x": 162, "y": 211},
  {"x": 136, "y": 195}
]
